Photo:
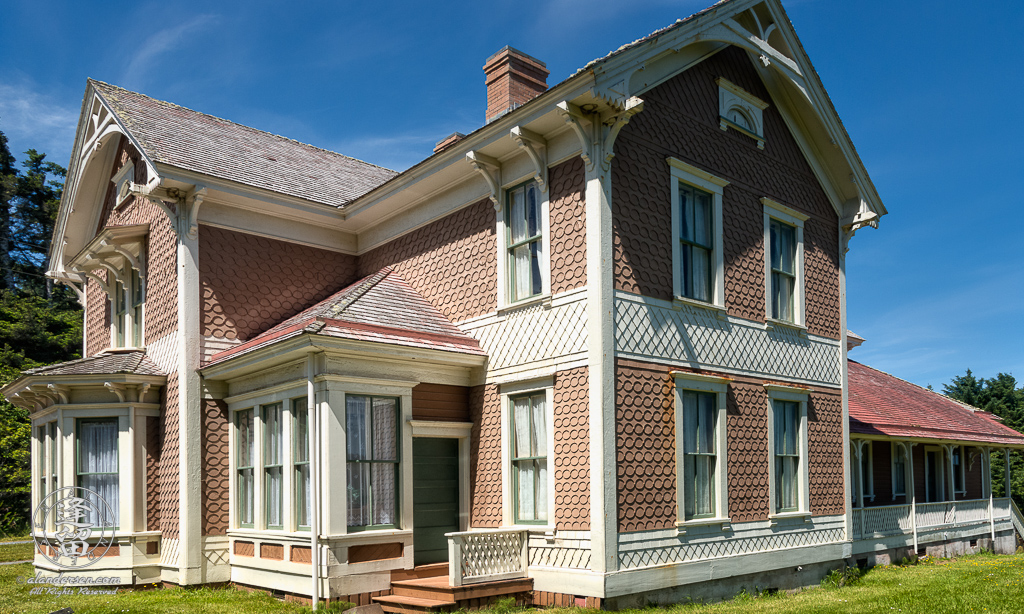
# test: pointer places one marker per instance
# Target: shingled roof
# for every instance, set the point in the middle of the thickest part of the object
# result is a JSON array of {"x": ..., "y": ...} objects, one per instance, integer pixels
[
  {"x": 882, "y": 404},
  {"x": 186, "y": 139},
  {"x": 134, "y": 362},
  {"x": 381, "y": 307}
]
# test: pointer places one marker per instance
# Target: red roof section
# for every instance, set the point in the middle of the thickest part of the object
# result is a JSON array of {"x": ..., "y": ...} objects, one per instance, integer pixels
[
  {"x": 881, "y": 404},
  {"x": 382, "y": 308}
]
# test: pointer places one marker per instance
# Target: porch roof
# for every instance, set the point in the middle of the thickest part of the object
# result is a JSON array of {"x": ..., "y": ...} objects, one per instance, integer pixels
[
  {"x": 882, "y": 404},
  {"x": 380, "y": 308}
]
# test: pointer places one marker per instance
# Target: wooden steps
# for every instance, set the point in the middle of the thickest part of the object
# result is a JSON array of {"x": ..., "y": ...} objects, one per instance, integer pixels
[{"x": 426, "y": 589}]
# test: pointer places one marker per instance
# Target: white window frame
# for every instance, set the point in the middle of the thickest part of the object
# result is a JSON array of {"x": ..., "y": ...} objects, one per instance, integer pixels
[
  {"x": 732, "y": 97},
  {"x": 125, "y": 284},
  {"x": 705, "y": 181},
  {"x": 544, "y": 256},
  {"x": 516, "y": 389},
  {"x": 122, "y": 181},
  {"x": 289, "y": 503},
  {"x": 779, "y": 212},
  {"x": 962, "y": 469},
  {"x": 801, "y": 396},
  {"x": 718, "y": 386},
  {"x": 898, "y": 451},
  {"x": 131, "y": 437}
]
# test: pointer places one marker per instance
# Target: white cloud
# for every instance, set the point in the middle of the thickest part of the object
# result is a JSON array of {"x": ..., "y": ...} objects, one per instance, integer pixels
[
  {"x": 37, "y": 120},
  {"x": 159, "y": 43}
]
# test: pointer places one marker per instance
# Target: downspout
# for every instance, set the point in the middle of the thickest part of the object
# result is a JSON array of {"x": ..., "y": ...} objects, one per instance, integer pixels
[{"x": 314, "y": 504}]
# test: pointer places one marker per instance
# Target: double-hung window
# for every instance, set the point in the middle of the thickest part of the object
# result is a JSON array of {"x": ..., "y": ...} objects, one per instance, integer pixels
[
  {"x": 787, "y": 444},
  {"x": 372, "y": 435},
  {"x": 524, "y": 241},
  {"x": 530, "y": 457},
  {"x": 97, "y": 468},
  {"x": 697, "y": 234},
  {"x": 701, "y": 448},
  {"x": 899, "y": 470},
  {"x": 273, "y": 469},
  {"x": 126, "y": 309},
  {"x": 245, "y": 459},
  {"x": 959, "y": 484},
  {"x": 784, "y": 256},
  {"x": 300, "y": 451}
]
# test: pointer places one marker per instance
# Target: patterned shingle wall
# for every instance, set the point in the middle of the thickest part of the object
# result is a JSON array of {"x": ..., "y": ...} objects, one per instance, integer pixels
[
  {"x": 747, "y": 436},
  {"x": 572, "y": 450},
  {"x": 825, "y": 446},
  {"x": 97, "y": 318},
  {"x": 568, "y": 226},
  {"x": 249, "y": 283},
  {"x": 645, "y": 446},
  {"x": 215, "y": 426},
  {"x": 168, "y": 470},
  {"x": 680, "y": 119},
  {"x": 485, "y": 457},
  {"x": 153, "y": 438},
  {"x": 451, "y": 262}
]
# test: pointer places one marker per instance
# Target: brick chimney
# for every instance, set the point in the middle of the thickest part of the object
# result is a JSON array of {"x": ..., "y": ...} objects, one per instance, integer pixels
[
  {"x": 448, "y": 141},
  {"x": 513, "y": 79}
]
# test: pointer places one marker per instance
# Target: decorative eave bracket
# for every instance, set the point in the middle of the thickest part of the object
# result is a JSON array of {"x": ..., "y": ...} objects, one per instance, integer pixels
[
  {"x": 615, "y": 124},
  {"x": 490, "y": 168},
  {"x": 582, "y": 127},
  {"x": 196, "y": 199},
  {"x": 535, "y": 147}
]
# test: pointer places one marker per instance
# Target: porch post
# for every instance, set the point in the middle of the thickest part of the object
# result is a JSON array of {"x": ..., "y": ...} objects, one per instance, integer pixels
[
  {"x": 314, "y": 495},
  {"x": 858, "y": 452},
  {"x": 1006, "y": 457},
  {"x": 908, "y": 448},
  {"x": 950, "y": 482},
  {"x": 987, "y": 482}
]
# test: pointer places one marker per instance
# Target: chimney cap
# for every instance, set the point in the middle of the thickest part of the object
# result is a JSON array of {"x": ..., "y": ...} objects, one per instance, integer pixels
[{"x": 511, "y": 51}]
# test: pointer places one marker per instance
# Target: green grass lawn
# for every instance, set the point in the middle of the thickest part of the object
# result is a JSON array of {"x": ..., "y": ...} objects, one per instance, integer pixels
[
  {"x": 14, "y": 538},
  {"x": 981, "y": 583},
  {"x": 16, "y": 552}
]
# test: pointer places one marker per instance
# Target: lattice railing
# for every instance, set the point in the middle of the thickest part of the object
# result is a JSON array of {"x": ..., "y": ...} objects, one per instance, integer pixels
[
  {"x": 487, "y": 555},
  {"x": 886, "y": 520}
]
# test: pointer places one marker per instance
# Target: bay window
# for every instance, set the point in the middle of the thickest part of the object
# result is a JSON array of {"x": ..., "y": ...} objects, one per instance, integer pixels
[
  {"x": 245, "y": 455},
  {"x": 273, "y": 430},
  {"x": 97, "y": 468},
  {"x": 300, "y": 448},
  {"x": 372, "y": 438}
]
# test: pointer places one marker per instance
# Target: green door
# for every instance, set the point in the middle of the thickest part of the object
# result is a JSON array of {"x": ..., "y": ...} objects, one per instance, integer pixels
[{"x": 435, "y": 497}]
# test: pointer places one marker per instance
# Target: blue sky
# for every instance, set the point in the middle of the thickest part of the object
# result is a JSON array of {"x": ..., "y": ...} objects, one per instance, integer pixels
[{"x": 930, "y": 92}]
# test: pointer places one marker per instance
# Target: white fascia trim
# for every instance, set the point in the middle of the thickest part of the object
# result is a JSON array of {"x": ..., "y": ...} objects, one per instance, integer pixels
[{"x": 264, "y": 396}]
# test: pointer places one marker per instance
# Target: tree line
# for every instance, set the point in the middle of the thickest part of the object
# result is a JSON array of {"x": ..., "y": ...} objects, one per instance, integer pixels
[{"x": 40, "y": 322}]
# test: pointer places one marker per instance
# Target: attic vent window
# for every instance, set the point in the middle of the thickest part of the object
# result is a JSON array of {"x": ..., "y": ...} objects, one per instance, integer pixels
[
  {"x": 123, "y": 183},
  {"x": 740, "y": 110}
]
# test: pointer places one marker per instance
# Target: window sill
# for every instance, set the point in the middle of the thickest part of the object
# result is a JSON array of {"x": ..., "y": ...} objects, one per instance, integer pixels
[
  {"x": 784, "y": 516},
  {"x": 544, "y": 299},
  {"x": 264, "y": 534},
  {"x": 718, "y": 310},
  {"x": 725, "y": 524},
  {"x": 771, "y": 323}
]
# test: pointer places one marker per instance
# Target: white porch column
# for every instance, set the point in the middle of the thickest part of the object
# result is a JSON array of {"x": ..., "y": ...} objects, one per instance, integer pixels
[
  {"x": 911, "y": 489},
  {"x": 1006, "y": 457},
  {"x": 190, "y": 560},
  {"x": 986, "y": 481}
]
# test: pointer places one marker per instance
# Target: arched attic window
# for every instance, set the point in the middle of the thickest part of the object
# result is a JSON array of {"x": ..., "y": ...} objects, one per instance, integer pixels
[{"x": 740, "y": 110}]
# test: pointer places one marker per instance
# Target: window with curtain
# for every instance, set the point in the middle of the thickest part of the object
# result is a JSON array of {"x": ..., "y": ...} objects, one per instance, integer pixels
[
  {"x": 273, "y": 466},
  {"x": 787, "y": 455},
  {"x": 120, "y": 311},
  {"x": 246, "y": 455},
  {"x": 135, "y": 309},
  {"x": 529, "y": 457},
  {"x": 523, "y": 227},
  {"x": 696, "y": 244},
  {"x": 300, "y": 450},
  {"x": 958, "y": 469},
  {"x": 97, "y": 467},
  {"x": 782, "y": 239},
  {"x": 699, "y": 454},
  {"x": 899, "y": 469},
  {"x": 126, "y": 310},
  {"x": 372, "y": 436}
]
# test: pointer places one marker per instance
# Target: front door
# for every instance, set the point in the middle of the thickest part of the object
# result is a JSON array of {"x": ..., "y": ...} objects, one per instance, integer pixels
[
  {"x": 933, "y": 476},
  {"x": 435, "y": 497}
]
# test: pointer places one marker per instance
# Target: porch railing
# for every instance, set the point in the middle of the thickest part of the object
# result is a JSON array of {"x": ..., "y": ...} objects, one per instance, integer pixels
[
  {"x": 896, "y": 519},
  {"x": 487, "y": 555},
  {"x": 1017, "y": 517}
]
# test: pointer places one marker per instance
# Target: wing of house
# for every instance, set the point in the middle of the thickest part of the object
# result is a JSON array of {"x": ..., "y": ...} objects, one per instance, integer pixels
[{"x": 599, "y": 342}]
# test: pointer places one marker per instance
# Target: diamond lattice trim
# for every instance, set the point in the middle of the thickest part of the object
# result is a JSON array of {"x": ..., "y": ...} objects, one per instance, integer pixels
[
  {"x": 534, "y": 333},
  {"x": 646, "y": 557},
  {"x": 696, "y": 336}
]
